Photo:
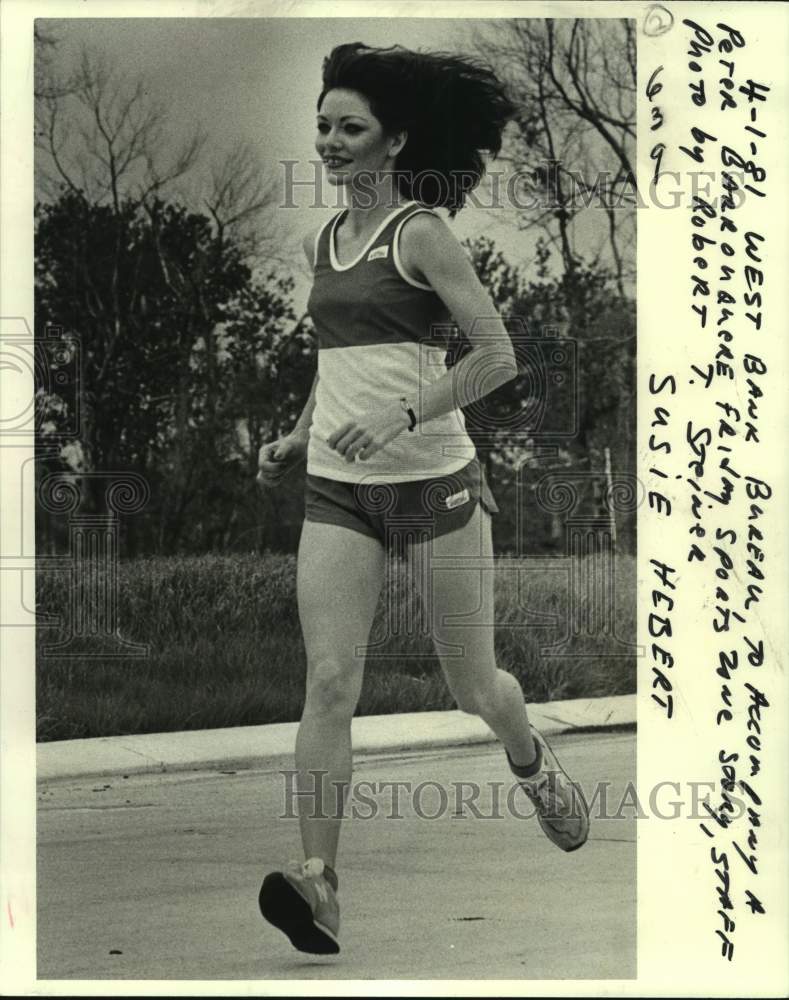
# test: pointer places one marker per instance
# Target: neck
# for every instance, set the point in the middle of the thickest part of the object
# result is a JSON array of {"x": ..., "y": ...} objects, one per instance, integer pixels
[{"x": 375, "y": 201}]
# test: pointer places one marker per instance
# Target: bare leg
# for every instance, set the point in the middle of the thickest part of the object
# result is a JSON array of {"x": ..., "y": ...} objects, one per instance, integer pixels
[
  {"x": 475, "y": 680},
  {"x": 465, "y": 594},
  {"x": 340, "y": 572}
]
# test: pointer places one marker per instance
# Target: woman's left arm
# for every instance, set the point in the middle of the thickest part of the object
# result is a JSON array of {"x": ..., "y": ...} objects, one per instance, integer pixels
[{"x": 430, "y": 252}]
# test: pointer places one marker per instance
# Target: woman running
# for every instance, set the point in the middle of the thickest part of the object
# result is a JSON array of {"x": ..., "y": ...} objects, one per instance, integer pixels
[{"x": 389, "y": 461}]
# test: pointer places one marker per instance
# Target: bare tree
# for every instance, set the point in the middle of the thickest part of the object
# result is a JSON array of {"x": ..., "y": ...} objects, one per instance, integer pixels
[
  {"x": 239, "y": 195},
  {"x": 106, "y": 138},
  {"x": 100, "y": 133},
  {"x": 574, "y": 82}
]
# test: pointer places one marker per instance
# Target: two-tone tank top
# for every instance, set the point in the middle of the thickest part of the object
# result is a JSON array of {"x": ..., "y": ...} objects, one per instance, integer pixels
[{"x": 382, "y": 335}]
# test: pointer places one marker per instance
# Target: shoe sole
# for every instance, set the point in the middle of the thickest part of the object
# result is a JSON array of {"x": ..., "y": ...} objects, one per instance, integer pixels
[
  {"x": 579, "y": 794},
  {"x": 287, "y": 910}
]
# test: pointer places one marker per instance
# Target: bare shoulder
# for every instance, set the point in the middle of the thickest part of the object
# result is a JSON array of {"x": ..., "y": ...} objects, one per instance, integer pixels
[
  {"x": 425, "y": 232},
  {"x": 428, "y": 247}
]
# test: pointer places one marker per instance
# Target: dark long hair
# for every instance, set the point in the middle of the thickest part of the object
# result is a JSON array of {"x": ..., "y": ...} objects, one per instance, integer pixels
[{"x": 454, "y": 109}]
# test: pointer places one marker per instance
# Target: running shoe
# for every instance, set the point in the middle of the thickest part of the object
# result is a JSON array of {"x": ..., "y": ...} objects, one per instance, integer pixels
[
  {"x": 302, "y": 904},
  {"x": 559, "y": 802}
]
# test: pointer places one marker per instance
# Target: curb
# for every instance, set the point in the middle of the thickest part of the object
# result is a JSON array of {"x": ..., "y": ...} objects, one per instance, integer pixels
[{"x": 247, "y": 747}]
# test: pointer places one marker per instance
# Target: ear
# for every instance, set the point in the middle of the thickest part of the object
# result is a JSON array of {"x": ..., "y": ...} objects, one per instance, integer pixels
[{"x": 397, "y": 142}]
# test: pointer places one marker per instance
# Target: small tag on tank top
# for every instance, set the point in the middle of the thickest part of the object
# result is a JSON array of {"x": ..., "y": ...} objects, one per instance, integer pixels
[{"x": 457, "y": 499}]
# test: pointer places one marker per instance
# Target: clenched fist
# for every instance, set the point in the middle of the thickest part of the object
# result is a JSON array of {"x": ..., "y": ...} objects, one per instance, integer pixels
[{"x": 277, "y": 458}]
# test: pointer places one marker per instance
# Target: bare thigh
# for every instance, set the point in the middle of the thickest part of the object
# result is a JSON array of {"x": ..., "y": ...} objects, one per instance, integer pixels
[
  {"x": 339, "y": 578},
  {"x": 454, "y": 576}
]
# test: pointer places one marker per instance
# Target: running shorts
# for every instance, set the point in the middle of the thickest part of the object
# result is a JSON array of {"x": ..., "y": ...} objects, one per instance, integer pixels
[{"x": 406, "y": 512}]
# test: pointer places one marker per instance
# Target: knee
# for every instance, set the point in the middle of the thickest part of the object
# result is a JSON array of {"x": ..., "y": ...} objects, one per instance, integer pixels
[{"x": 333, "y": 689}]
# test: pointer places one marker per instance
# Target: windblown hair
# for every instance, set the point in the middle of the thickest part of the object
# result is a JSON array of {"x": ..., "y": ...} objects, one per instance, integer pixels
[{"x": 454, "y": 109}]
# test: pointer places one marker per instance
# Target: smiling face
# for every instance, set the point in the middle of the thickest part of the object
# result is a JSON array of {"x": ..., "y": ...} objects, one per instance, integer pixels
[{"x": 351, "y": 140}]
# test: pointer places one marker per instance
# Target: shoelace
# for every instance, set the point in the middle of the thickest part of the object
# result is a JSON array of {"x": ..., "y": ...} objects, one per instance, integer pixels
[
  {"x": 540, "y": 793},
  {"x": 311, "y": 868}
]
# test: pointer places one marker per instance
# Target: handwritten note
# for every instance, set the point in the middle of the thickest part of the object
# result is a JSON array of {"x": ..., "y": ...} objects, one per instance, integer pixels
[{"x": 710, "y": 445}]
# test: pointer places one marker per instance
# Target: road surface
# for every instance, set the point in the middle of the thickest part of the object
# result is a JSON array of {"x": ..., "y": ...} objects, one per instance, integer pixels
[{"x": 156, "y": 876}]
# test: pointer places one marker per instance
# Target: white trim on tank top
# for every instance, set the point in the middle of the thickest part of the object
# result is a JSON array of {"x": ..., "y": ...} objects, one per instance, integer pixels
[{"x": 332, "y": 254}]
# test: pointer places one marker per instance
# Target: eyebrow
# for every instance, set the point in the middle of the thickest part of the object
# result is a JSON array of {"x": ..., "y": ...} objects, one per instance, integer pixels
[{"x": 343, "y": 117}]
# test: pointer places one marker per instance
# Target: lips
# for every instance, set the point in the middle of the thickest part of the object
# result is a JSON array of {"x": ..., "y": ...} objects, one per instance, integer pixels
[{"x": 335, "y": 161}]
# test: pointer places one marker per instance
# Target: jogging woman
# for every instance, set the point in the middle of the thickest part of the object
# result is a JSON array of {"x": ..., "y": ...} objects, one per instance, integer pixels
[{"x": 389, "y": 460}]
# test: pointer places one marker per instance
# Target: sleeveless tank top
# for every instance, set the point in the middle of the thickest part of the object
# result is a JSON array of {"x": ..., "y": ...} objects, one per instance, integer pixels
[{"x": 381, "y": 335}]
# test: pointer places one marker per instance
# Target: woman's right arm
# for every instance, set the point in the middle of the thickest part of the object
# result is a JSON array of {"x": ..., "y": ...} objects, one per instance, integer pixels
[
  {"x": 302, "y": 427},
  {"x": 278, "y": 457}
]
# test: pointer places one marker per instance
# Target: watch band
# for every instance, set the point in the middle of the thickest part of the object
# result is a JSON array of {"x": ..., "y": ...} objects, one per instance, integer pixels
[{"x": 407, "y": 409}]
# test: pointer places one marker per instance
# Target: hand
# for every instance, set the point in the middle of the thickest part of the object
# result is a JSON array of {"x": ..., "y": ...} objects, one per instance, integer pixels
[
  {"x": 369, "y": 433},
  {"x": 277, "y": 458}
]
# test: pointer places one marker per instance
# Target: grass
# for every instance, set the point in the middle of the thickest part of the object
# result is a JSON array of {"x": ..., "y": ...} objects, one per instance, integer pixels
[{"x": 225, "y": 648}]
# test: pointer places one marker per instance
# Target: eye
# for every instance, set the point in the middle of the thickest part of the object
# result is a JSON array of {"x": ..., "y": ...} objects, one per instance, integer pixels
[
  {"x": 323, "y": 128},
  {"x": 354, "y": 129}
]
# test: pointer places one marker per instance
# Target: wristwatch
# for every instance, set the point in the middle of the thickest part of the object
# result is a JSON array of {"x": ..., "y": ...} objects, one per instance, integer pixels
[{"x": 407, "y": 409}]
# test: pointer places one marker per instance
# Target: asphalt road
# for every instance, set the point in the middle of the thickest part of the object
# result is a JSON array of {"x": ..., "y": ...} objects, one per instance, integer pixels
[{"x": 156, "y": 877}]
